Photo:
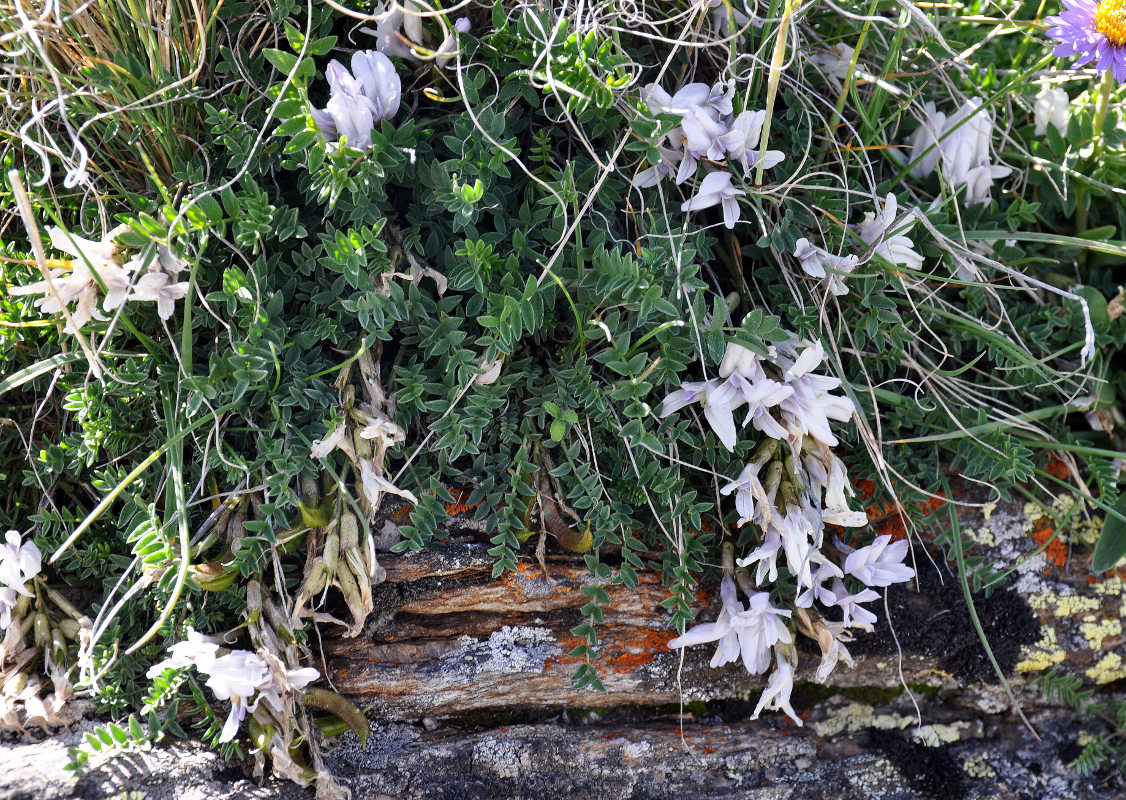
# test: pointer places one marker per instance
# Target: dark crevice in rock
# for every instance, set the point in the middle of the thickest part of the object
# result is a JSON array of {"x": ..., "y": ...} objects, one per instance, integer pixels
[{"x": 935, "y": 623}]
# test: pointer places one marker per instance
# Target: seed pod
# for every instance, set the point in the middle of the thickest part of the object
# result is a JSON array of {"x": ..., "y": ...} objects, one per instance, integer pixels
[
  {"x": 15, "y": 684},
  {"x": 331, "y": 553},
  {"x": 58, "y": 645},
  {"x": 316, "y": 580},
  {"x": 42, "y": 627},
  {"x": 349, "y": 532},
  {"x": 69, "y": 628}
]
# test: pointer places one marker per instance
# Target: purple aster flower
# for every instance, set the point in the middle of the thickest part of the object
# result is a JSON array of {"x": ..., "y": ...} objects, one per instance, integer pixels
[{"x": 1093, "y": 31}]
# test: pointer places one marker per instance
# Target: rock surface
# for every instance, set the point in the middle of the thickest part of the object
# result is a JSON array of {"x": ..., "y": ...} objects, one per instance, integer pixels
[{"x": 468, "y": 682}]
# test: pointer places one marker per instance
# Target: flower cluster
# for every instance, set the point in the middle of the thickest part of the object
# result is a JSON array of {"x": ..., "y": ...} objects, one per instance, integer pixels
[
  {"x": 237, "y": 676},
  {"x": 709, "y": 130},
  {"x": 784, "y": 400},
  {"x": 790, "y": 489},
  {"x": 20, "y": 562},
  {"x": 878, "y": 231},
  {"x": 95, "y": 269},
  {"x": 359, "y": 99},
  {"x": 1093, "y": 31},
  {"x": 959, "y": 145}
]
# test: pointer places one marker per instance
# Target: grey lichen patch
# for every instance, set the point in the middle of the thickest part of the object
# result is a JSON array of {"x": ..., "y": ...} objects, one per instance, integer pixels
[{"x": 509, "y": 650}]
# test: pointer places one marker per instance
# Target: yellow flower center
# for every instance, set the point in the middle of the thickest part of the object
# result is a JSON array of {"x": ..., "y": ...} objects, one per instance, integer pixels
[{"x": 1110, "y": 21}]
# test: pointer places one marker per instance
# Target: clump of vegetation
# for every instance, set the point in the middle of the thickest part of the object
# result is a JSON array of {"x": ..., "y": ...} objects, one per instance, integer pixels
[{"x": 612, "y": 269}]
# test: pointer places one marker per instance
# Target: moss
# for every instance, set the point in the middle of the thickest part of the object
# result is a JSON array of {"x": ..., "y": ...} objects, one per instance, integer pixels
[
  {"x": 872, "y": 695},
  {"x": 697, "y": 708},
  {"x": 924, "y": 689}
]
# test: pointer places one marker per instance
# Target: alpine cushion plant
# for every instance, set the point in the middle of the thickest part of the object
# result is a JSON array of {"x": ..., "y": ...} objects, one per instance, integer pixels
[{"x": 665, "y": 298}]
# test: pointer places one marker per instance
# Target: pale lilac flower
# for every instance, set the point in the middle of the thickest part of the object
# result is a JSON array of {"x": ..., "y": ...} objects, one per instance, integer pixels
[
  {"x": 816, "y": 590},
  {"x": 159, "y": 288},
  {"x": 747, "y": 488},
  {"x": 236, "y": 677},
  {"x": 880, "y": 563},
  {"x": 687, "y": 97},
  {"x": 8, "y": 601},
  {"x": 837, "y": 60},
  {"x": 703, "y": 138},
  {"x": 1053, "y": 108},
  {"x": 747, "y": 633},
  {"x": 1093, "y": 31},
  {"x": 720, "y": 19},
  {"x": 808, "y": 410},
  {"x": 719, "y": 631},
  {"x": 196, "y": 651},
  {"x": 795, "y": 527},
  {"x": 19, "y": 562},
  {"x": 359, "y": 99},
  {"x": 388, "y": 40},
  {"x": 854, "y": 615},
  {"x": 816, "y": 260},
  {"x": 296, "y": 678},
  {"x": 776, "y": 695},
  {"x": 876, "y": 231},
  {"x": 78, "y": 284},
  {"x": 766, "y": 556},
  {"x": 449, "y": 44},
  {"x": 719, "y": 398},
  {"x": 761, "y": 627},
  {"x": 961, "y": 147},
  {"x": 716, "y": 189},
  {"x": 742, "y": 142},
  {"x": 651, "y": 176}
]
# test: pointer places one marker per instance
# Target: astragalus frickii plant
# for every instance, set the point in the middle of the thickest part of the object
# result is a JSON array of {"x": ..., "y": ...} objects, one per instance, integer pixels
[{"x": 659, "y": 284}]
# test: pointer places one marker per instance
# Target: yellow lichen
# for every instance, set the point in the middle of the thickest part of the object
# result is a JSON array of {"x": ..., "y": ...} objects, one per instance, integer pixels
[
  {"x": 1094, "y": 631},
  {"x": 1071, "y": 605},
  {"x": 978, "y": 768},
  {"x": 1112, "y": 586},
  {"x": 891, "y": 722},
  {"x": 987, "y": 511},
  {"x": 1044, "y": 654},
  {"x": 1109, "y": 668},
  {"x": 938, "y": 735}
]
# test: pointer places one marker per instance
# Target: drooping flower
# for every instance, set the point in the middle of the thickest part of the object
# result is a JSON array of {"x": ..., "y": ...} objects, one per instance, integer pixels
[
  {"x": 402, "y": 16},
  {"x": 1052, "y": 107},
  {"x": 1093, "y": 31},
  {"x": 749, "y": 633},
  {"x": 8, "y": 601},
  {"x": 748, "y": 488},
  {"x": 854, "y": 614},
  {"x": 779, "y": 687},
  {"x": 880, "y": 563},
  {"x": 891, "y": 243},
  {"x": 20, "y": 561},
  {"x": 720, "y": 631},
  {"x": 742, "y": 142},
  {"x": 159, "y": 288},
  {"x": 960, "y": 145},
  {"x": 719, "y": 398},
  {"x": 448, "y": 46},
  {"x": 236, "y": 677},
  {"x": 716, "y": 189},
  {"x": 837, "y": 60},
  {"x": 820, "y": 263},
  {"x": 359, "y": 99},
  {"x": 196, "y": 651},
  {"x": 79, "y": 283}
]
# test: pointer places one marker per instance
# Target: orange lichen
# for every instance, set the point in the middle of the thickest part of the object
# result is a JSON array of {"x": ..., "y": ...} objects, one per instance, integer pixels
[
  {"x": 621, "y": 657},
  {"x": 1056, "y": 551},
  {"x": 459, "y": 504}
]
